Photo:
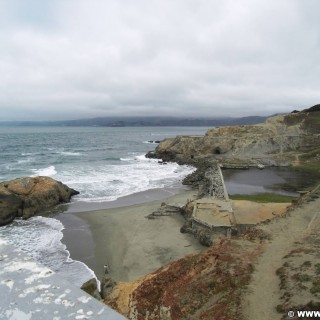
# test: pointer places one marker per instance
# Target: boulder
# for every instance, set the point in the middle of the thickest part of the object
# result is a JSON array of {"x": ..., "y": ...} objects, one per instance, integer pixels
[
  {"x": 25, "y": 197},
  {"x": 10, "y": 206},
  {"x": 91, "y": 287}
]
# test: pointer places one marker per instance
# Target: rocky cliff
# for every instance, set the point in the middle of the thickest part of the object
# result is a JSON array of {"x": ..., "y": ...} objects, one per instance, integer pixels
[
  {"x": 25, "y": 197},
  {"x": 280, "y": 140}
]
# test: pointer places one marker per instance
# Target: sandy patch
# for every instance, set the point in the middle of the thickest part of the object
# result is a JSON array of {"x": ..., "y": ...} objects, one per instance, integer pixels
[{"x": 249, "y": 212}]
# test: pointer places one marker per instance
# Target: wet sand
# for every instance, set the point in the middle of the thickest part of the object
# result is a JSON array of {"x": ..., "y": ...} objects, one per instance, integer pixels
[{"x": 125, "y": 241}]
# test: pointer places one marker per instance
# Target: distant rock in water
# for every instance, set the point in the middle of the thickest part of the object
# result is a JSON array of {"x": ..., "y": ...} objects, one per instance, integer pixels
[{"x": 25, "y": 197}]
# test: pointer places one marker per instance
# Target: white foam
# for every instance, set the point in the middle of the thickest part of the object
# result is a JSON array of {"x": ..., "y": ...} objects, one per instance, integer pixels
[
  {"x": 27, "y": 154},
  {"x": 134, "y": 174},
  {"x": 68, "y": 153},
  {"x": 40, "y": 237},
  {"x": 48, "y": 171},
  {"x": 27, "y": 160},
  {"x": 3, "y": 241},
  {"x": 150, "y": 142}
]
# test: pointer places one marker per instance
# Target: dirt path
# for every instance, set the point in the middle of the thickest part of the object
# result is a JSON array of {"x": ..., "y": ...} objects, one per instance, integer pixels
[{"x": 264, "y": 294}]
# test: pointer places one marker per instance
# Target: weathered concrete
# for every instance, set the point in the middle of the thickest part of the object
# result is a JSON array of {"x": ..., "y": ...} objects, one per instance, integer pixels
[
  {"x": 30, "y": 291},
  {"x": 216, "y": 210},
  {"x": 214, "y": 213}
]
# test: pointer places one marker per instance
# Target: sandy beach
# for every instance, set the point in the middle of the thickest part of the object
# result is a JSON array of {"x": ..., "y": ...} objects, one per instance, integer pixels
[{"x": 125, "y": 240}]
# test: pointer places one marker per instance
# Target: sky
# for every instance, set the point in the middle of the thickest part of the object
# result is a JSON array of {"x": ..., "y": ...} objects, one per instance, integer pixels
[{"x": 71, "y": 59}]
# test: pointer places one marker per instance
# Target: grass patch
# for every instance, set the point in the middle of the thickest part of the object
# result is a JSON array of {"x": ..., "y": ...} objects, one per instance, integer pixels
[
  {"x": 309, "y": 167},
  {"x": 263, "y": 197}
]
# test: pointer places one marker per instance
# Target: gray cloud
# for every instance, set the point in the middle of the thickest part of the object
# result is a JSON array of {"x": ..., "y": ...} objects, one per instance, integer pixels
[{"x": 77, "y": 58}]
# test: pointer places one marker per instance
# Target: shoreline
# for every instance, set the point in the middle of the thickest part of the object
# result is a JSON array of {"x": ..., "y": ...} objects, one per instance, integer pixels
[
  {"x": 128, "y": 200},
  {"x": 106, "y": 233},
  {"x": 122, "y": 238}
]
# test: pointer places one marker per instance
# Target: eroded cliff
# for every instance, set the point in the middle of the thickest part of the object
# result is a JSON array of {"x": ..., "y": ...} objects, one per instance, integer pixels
[{"x": 280, "y": 140}]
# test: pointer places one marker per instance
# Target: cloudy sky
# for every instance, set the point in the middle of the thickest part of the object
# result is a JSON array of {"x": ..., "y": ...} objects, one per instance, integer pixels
[{"x": 69, "y": 59}]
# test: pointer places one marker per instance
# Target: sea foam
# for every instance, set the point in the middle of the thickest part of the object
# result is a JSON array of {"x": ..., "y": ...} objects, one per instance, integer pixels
[
  {"x": 48, "y": 171},
  {"x": 134, "y": 174},
  {"x": 40, "y": 237}
]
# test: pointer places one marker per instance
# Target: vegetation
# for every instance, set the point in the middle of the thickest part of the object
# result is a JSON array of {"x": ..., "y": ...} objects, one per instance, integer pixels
[{"x": 263, "y": 197}]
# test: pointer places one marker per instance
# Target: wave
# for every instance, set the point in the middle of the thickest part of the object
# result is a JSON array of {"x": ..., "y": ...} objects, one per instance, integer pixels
[
  {"x": 152, "y": 141},
  {"x": 69, "y": 153},
  {"x": 108, "y": 182},
  {"x": 27, "y": 160},
  {"x": 27, "y": 154},
  {"x": 48, "y": 172},
  {"x": 40, "y": 237}
]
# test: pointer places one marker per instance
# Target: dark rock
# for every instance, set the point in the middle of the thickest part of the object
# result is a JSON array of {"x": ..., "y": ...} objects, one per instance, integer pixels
[
  {"x": 91, "y": 287},
  {"x": 187, "y": 227},
  {"x": 25, "y": 197},
  {"x": 165, "y": 210},
  {"x": 312, "y": 109},
  {"x": 10, "y": 206},
  {"x": 204, "y": 237},
  {"x": 107, "y": 284}
]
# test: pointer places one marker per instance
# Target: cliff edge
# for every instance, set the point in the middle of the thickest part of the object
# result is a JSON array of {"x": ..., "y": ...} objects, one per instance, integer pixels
[{"x": 280, "y": 140}]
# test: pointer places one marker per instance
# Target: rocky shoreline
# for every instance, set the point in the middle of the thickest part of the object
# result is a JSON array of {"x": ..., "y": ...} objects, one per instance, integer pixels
[
  {"x": 211, "y": 285},
  {"x": 26, "y": 197}
]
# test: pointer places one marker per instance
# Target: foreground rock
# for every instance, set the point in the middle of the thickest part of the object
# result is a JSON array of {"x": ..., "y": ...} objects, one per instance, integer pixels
[
  {"x": 25, "y": 197},
  {"x": 91, "y": 287}
]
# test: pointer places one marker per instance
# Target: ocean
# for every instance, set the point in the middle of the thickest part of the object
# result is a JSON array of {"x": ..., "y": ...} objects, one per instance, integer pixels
[{"x": 102, "y": 163}]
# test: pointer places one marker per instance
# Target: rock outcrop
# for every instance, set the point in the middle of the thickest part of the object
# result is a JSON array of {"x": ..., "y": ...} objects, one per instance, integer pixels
[
  {"x": 91, "y": 287},
  {"x": 275, "y": 142},
  {"x": 25, "y": 197}
]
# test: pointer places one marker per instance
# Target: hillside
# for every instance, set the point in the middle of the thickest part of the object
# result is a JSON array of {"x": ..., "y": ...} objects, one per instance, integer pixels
[
  {"x": 142, "y": 122},
  {"x": 291, "y": 139},
  {"x": 262, "y": 275},
  {"x": 265, "y": 272}
]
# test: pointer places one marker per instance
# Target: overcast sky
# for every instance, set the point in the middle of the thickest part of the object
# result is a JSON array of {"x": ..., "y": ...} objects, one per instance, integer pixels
[{"x": 69, "y": 59}]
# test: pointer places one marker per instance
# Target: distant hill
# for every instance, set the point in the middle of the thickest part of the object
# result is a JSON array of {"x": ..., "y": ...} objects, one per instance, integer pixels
[{"x": 142, "y": 122}]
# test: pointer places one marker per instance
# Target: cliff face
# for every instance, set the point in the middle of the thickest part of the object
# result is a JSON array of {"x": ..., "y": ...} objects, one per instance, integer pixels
[{"x": 276, "y": 141}]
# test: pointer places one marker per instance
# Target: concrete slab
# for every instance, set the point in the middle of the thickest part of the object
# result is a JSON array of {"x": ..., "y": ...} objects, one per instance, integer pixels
[{"x": 214, "y": 212}]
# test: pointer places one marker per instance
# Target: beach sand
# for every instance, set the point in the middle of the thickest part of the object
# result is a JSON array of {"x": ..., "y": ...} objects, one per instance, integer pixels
[{"x": 125, "y": 240}]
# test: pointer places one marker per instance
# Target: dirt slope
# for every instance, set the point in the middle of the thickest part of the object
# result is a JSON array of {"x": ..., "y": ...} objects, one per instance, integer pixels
[{"x": 288, "y": 269}]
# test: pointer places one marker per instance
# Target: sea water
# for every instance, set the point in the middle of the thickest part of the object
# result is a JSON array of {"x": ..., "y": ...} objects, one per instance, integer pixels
[{"x": 102, "y": 163}]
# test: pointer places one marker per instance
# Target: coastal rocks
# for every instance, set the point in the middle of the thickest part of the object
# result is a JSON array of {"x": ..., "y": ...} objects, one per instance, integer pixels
[
  {"x": 204, "y": 236},
  {"x": 25, "y": 197},
  {"x": 277, "y": 139},
  {"x": 10, "y": 204},
  {"x": 107, "y": 285},
  {"x": 91, "y": 287},
  {"x": 165, "y": 210}
]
